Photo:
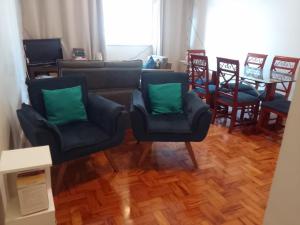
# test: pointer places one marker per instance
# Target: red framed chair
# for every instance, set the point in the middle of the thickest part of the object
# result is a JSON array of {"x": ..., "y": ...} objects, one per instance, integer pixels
[
  {"x": 191, "y": 52},
  {"x": 201, "y": 80},
  {"x": 256, "y": 60},
  {"x": 227, "y": 96},
  {"x": 280, "y": 107},
  {"x": 283, "y": 68}
]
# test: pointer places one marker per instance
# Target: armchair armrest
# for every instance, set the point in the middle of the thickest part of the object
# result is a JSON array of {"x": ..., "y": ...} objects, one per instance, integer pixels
[
  {"x": 38, "y": 130},
  {"x": 104, "y": 112},
  {"x": 138, "y": 102},
  {"x": 194, "y": 107},
  {"x": 138, "y": 114}
]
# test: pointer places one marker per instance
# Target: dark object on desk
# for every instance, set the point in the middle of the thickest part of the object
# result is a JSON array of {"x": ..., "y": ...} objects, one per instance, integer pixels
[
  {"x": 192, "y": 125},
  {"x": 41, "y": 55},
  {"x": 104, "y": 128}
]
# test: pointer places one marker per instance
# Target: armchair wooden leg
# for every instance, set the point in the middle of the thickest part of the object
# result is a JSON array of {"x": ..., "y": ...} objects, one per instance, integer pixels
[
  {"x": 111, "y": 161},
  {"x": 191, "y": 153},
  {"x": 60, "y": 176},
  {"x": 146, "y": 151}
]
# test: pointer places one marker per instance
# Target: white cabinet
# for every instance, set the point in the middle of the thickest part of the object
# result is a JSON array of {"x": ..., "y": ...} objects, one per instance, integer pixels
[{"x": 20, "y": 160}]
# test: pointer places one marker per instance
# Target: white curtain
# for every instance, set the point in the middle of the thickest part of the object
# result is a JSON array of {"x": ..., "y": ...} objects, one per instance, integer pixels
[
  {"x": 176, "y": 26},
  {"x": 79, "y": 24},
  {"x": 157, "y": 14}
]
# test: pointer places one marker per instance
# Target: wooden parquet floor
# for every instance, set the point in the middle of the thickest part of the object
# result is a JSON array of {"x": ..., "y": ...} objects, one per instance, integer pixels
[{"x": 230, "y": 187}]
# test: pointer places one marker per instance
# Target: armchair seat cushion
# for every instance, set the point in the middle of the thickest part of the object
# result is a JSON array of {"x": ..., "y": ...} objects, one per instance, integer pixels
[
  {"x": 81, "y": 134},
  {"x": 171, "y": 123}
]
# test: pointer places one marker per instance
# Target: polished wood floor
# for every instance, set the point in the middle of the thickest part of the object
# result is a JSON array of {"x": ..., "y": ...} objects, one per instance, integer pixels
[{"x": 230, "y": 187}]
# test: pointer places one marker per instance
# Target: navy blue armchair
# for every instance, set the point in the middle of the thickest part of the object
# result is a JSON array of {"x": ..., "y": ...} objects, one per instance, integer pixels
[
  {"x": 190, "y": 126},
  {"x": 105, "y": 127}
]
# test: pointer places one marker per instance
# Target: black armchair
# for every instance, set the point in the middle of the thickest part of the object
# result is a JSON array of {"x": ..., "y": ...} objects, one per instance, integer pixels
[
  {"x": 190, "y": 126},
  {"x": 105, "y": 127}
]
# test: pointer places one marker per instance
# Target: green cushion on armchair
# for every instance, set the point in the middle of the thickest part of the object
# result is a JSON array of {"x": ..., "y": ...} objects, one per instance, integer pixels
[
  {"x": 165, "y": 98},
  {"x": 64, "y": 105}
]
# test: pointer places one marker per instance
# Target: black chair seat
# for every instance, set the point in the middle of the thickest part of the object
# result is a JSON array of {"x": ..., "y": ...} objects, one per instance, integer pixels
[
  {"x": 242, "y": 98},
  {"x": 242, "y": 86},
  {"x": 171, "y": 123},
  {"x": 278, "y": 105},
  {"x": 262, "y": 94},
  {"x": 211, "y": 89},
  {"x": 81, "y": 134}
]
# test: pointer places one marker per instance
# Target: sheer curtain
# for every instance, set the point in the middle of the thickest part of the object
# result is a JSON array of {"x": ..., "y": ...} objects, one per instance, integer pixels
[
  {"x": 157, "y": 29},
  {"x": 177, "y": 20},
  {"x": 78, "y": 23}
]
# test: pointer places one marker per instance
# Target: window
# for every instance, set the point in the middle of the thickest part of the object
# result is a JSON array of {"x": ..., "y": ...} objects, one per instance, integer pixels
[{"x": 128, "y": 22}]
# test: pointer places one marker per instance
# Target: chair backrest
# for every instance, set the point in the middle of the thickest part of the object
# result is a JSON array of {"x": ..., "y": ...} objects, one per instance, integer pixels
[
  {"x": 200, "y": 72},
  {"x": 284, "y": 68},
  {"x": 256, "y": 60},
  {"x": 227, "y": 73},
  {"x": 36, "y": 86},
  {"x": 191, "y": 52},
  {"x": 162, "y": 78}
]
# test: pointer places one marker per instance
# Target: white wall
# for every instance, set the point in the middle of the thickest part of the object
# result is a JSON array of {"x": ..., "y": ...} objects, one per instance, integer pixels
[
  {"x": 128, "y": 52},
  {"x": 12, "y": 77},
  {"x": 284, "y": 202},
  {"x": 232, "y": 28}
]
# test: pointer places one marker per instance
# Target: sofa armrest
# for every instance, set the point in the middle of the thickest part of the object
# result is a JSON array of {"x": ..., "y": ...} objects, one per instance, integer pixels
[
  {"x": 38, "y": 130},
  {"x": 104, "y": 112},
  {"x": 194, "y": 107}
]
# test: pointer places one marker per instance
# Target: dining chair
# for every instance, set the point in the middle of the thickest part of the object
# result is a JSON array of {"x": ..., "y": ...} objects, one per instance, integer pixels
[
  {"x": 279, "y": 107},
  {"x": 189, "y": 53},
  {"x": 256, "y": 60},
  {"x": 201, "y": 82},
  {"x": 282, "y": 68},
  {"x": 228, "y": 96}
]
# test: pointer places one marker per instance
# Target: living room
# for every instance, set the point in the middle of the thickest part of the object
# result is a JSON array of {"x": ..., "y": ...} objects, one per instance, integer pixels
[{"x": 149, "y": 112}]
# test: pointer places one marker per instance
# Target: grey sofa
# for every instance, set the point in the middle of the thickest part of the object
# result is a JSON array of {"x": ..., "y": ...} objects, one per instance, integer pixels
[{"x": 113, "y": 80}]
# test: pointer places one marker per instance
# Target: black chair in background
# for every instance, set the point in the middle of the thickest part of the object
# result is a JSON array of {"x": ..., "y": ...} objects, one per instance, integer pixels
[
  {"x": 190, "y": 126},
  {"x": 104, "y": 129}
]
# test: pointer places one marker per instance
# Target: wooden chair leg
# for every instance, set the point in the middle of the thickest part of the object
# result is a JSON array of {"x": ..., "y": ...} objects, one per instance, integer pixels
[
  {"x": 111, "y": 161},
  {"x": 146, "y": 151},
  {"x": 233, "y": 119},
  {"x": 191, "y": 153},
  {"x": 60, "y": 176}
]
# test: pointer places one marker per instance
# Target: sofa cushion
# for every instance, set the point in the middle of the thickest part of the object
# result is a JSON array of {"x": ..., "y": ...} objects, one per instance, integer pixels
[
  {"x": 105, "y": 78},
  {"x": 124, "y": 64},
  {"x": 81, "y": 134},
  {"x": 120, "y": 95},
  {"x": 171, "y": 123},
  {"x": 81, "y": 64}
]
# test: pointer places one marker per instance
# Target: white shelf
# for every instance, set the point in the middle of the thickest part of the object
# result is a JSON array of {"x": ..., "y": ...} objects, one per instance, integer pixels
[
  {"x": 25, "y": 159},
  {"x": 20, "y": 160},
  {"x": 13, "y": 216}
]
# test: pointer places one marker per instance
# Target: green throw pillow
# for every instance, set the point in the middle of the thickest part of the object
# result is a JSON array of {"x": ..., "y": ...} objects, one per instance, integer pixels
[
  {"x": 64, "y": 105},
  {"x": 165, "y": 98}
]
